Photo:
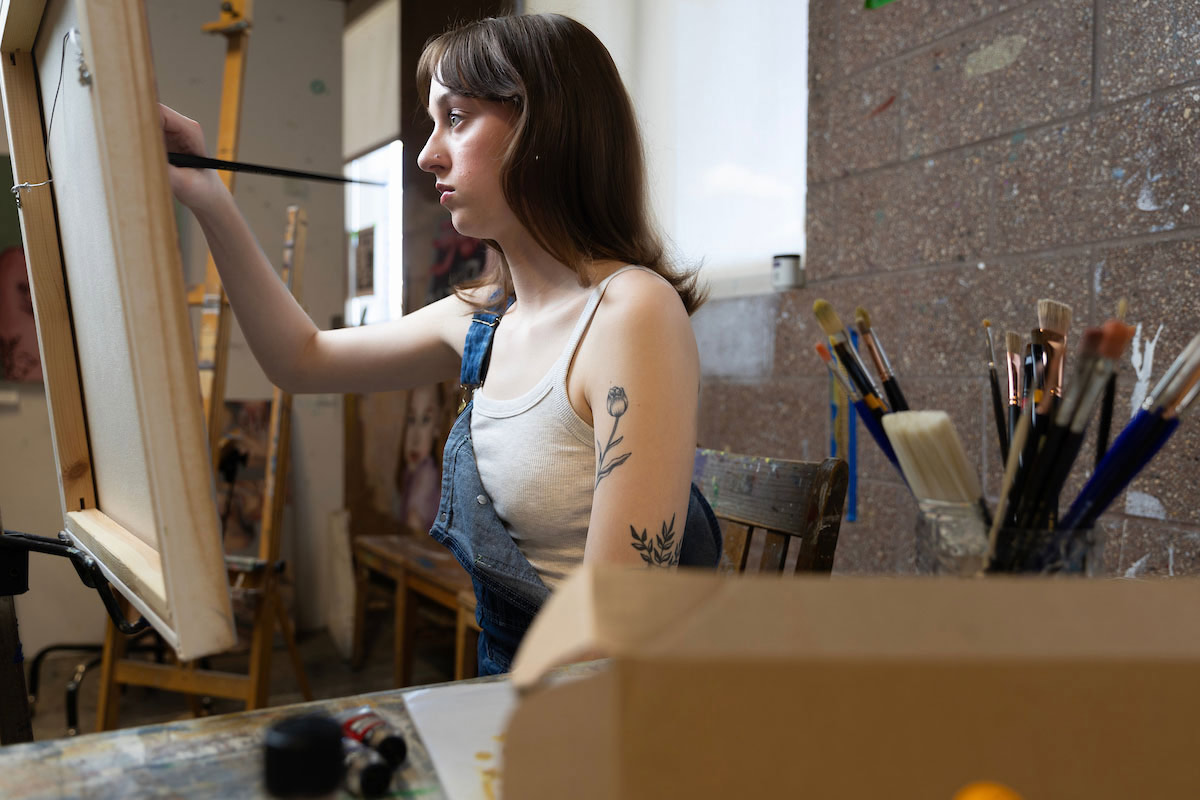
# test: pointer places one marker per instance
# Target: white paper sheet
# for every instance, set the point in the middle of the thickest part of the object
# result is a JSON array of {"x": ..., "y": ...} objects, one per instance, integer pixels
[{"x": 462, "y": 726}]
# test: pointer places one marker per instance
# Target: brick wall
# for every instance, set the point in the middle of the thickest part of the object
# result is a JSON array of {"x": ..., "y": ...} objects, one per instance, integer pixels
[{"x": 965, "y": 159}]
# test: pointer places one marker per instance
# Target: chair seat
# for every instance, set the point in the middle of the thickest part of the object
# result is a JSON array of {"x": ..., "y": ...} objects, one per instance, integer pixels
[{"x": 417, "y": 556}]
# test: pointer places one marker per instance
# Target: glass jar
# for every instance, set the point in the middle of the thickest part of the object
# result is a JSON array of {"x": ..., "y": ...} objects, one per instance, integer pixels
[{"x": 952, "y": 538}]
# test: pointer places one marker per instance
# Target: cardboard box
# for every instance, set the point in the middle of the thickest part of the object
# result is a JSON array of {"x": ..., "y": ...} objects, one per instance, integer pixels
[{"x": 753, "y": 687}]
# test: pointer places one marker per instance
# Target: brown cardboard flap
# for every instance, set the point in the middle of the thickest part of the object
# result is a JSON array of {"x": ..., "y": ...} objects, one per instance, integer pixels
[
  {"x": 848, "y": 688},
  {"x": 603, "y": 612},
  {"x": 692, "y": 614}
]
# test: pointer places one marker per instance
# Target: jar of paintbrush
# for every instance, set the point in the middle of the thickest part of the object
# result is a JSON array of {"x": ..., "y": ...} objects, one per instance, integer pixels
[
  {"x": 1049, "y": 552},
  {"x": 951, "y": 538}
]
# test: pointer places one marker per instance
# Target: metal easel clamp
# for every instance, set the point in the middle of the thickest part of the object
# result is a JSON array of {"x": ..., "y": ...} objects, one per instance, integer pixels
[
  {"x": 15, "y": 548},
  {"x": 16, "y": 189}
]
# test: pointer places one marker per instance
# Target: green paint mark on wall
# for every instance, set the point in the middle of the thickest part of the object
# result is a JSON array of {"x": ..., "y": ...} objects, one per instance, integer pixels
[
  {"x": 870, "y": 4},
  {"x": 318, "y": 87}
]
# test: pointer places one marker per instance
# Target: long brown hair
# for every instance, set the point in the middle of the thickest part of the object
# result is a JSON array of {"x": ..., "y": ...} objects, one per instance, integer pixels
[{"x": 574, "y": 173}]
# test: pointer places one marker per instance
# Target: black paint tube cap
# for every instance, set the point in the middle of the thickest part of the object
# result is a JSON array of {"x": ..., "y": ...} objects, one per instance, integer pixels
[{"x": 303, "y": 756}]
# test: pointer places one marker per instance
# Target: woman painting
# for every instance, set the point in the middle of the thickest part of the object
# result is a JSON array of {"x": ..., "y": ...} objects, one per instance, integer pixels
[{"x": 579, "y": 442}]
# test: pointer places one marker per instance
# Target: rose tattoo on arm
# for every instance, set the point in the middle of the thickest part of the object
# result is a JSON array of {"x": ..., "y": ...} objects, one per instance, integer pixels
[{"x": 618, "y": 404}]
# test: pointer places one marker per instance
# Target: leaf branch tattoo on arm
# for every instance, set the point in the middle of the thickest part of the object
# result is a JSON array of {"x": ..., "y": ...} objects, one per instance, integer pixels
[
  {"x": 662, "y": 550},
  {"x": 618, "y": 404}
]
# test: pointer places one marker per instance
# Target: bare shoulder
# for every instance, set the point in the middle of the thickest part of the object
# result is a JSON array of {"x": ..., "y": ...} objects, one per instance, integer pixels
[
  {"x": 642, "y": 302},
  {"x": 639, "y": 308},
  {"x": 451, "y": 315}
]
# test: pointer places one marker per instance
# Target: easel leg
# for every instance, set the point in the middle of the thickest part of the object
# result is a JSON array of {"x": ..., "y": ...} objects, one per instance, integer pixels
[
  {"x": 285, "y": 625},
  {"x": 195, "y": 703},
  {"x": 16, "y": 724},
  {"x": 109, "y": 703},
  {"x": 260, "y": 650}
]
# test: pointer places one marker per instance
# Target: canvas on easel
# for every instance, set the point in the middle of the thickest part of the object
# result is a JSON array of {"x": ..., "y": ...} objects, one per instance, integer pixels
[{"x": 121, "y": 376}]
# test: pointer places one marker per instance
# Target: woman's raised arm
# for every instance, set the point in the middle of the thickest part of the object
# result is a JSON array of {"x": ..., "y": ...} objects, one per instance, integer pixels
[{"x": 420, "y": 348}]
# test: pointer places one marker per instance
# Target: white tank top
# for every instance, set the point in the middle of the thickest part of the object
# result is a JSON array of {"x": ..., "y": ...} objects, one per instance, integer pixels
[{"x": 537, "y": 461}]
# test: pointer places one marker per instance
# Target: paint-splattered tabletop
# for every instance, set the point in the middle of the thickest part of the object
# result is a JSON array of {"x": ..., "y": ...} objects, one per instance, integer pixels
[{"x": 219, "y": 757}]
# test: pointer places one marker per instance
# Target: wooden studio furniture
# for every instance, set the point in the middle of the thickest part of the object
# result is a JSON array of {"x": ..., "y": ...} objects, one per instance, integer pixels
[
  {"x": 776, "y": 516},
  {"x": 420, "y": 568}
]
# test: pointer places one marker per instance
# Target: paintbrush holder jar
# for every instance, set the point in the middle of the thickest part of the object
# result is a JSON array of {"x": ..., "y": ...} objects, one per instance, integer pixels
[
  {"x": 1030, "y": 551},
  {"x": 951, "y": 539}
]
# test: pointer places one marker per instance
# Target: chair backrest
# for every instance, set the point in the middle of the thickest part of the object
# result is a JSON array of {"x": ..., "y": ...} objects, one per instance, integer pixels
[{"x": 763, "y": 504}]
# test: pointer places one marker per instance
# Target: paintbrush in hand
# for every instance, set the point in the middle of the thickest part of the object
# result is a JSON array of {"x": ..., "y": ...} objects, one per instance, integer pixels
[{"x": 862, "y": 320}]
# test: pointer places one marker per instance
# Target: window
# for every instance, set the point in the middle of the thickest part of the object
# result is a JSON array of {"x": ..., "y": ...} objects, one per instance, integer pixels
[
  {"x": 721, "y": 90},
  {"x": 374, "y": 237}
]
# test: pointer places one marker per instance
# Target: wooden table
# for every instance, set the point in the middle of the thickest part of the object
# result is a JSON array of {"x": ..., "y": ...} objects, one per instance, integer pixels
[{"x": 209, "y": 757}]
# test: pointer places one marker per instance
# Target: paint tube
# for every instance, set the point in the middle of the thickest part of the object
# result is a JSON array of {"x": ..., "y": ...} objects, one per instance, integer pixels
[
  {"x": 365, "y": 726},
  {"x": 367, "y": 773}
]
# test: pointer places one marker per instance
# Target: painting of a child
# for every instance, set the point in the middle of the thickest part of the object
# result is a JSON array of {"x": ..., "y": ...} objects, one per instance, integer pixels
[{"x": 418, "y": 463}]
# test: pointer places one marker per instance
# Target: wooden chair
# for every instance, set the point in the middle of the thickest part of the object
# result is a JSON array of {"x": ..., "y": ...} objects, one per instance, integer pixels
[
  {"x": 418, "y": 566},
  {"x": 775, "y": 515}
]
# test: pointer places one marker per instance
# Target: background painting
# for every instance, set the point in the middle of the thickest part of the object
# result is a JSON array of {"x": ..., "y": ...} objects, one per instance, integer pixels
[
  {"x": 244, "y": 432},
  {"x": 394, "y": 458},
  {"x": 456, "y": 258},
  {"x": 19, "y": 356}
]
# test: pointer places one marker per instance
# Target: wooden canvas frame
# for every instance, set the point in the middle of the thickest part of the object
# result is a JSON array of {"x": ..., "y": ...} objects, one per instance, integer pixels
[{"x": 172, "y": 569}]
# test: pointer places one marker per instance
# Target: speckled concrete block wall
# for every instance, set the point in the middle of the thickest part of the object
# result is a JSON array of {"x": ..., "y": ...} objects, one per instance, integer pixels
[{"x": 965, "y": 159}]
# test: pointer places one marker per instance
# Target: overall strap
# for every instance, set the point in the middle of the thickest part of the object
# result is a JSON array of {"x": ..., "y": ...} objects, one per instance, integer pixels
[{"x": 477, "y": 351}]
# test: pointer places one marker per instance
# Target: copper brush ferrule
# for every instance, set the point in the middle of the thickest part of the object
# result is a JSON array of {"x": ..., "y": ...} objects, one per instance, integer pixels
[
  {"x": 1037, "y": 359},
  {"x": 1012, "y": 364},
  {"x": 1054, "y": 320},
  {"x": 1054, "y": 348},
  {"x": 875, "y": 350}
]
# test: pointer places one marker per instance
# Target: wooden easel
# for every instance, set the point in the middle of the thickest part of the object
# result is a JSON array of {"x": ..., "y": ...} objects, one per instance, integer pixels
[
  {"x": 256, "y": 578},
  {"x": 213, "y": 344}
]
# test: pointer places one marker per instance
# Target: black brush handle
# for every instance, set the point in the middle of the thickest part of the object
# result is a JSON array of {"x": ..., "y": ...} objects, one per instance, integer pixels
[
  {"x": 894, "y": 395},
  {"x": 998, "y": 411},
  {"x": 1049, "y": 474},
  {"x": 859, "y": 378},
  {"x": 188, "y": 160},
  {"x": 1014, "y": 416},
  {"x": 1106, "y": 412}
]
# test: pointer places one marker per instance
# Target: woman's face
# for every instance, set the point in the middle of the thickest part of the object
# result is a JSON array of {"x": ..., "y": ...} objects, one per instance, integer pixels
[
  {"x": 420, "y": 427},
  {"x": 464, "y": 154}
]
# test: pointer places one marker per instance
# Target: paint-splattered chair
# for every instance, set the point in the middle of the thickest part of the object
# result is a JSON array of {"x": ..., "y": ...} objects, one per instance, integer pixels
[{"x": 775, "y": 515}]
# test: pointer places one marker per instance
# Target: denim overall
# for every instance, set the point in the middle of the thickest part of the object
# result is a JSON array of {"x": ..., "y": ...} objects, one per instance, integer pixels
[{"x": 508, "y": 590}]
